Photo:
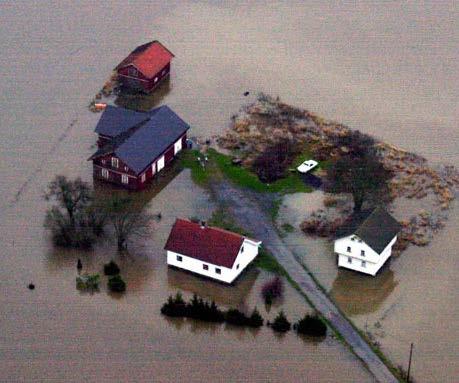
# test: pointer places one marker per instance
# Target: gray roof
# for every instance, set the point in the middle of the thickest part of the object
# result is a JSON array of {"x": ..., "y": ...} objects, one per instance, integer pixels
[
  {"x": 375, "y": 227},
  {"x": 115, "y": 120},
  {"x": 142, "y": 143}
]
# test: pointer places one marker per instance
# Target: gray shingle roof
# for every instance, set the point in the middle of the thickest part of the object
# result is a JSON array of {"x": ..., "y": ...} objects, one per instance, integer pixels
[
  {"x": 139, "y": 145},
  {"x": 375, "y": 227},
  {"x": 115, "y": 120}
]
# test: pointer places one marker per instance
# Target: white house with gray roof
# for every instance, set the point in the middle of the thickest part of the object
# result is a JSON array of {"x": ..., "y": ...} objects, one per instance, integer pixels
[{"x": 364, "y": 242}]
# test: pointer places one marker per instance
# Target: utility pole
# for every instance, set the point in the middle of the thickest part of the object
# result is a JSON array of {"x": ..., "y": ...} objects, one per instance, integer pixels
[{"x": 409, "y": 364}]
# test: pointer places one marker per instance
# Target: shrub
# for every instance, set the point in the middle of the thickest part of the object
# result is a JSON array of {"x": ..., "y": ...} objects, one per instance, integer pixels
[
  {"x": 116, "y": 284},
  {"x": 281, "y": 324},
  {"x": 272, "y": 289},
  {"x": 111, "y": 268},
  {"x": 198, "y": 308},
  {"x": 237, "y": 318},
  {"x": 175, "y": 306},
  {"x": 311, "y": 325},
  {"x": 88, "y": 282},
  {"x": 255, "y": 319}
]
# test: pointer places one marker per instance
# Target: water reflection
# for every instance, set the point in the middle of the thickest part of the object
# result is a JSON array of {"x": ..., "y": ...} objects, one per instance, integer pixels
[
  {"x": 144, "y": 102},
  {"x": 360, "y": 294},
  {"x": 231, "y": 295}
]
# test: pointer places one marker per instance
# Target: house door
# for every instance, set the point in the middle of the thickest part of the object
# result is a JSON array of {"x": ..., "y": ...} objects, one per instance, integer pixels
[{"x": 160, "y": 163}]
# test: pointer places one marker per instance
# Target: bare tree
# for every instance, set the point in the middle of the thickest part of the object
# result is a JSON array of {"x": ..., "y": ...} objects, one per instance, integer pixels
[
  {"x": 127, "y": 220},
  {"x": 71, "y": 195}
]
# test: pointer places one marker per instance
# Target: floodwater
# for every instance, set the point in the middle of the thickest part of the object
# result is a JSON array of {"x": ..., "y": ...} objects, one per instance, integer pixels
[{"x": 388, "y": 69}]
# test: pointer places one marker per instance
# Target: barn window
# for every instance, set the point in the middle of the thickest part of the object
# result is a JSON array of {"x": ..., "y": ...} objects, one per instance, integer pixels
[
  {"x": 242, "y": 249},
  {"x": 178, "y": 146},
  {"x": 348, "y": 249},
  {"x": 179, "y": 258},
  {"x": 364, "y": 264},
  {"x": 115, "y": 162},
  {"x": 153, "y": 168},
  {"x": 237, "y": 267},
  {"x": 362, "y": 253},
  {"x": 218, "y": 271},
  {"x": 105, "y": 173},
  {"x": 349, "y": 260},
  {"x": 205, "y": 267},
  {"x": 143, "y": 177},
  {"x": 124, "y": 179},
  {"x": 132, "y": 71}
]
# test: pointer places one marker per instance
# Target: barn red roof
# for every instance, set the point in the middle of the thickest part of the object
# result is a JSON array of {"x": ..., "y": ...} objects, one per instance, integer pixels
[
  {"x": 148, "y": 58},
  {"x": 208, "y": 244}
]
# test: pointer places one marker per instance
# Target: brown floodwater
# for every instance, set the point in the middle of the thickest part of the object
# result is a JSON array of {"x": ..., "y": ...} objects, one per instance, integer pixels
[{"x": 387, "y": 69}]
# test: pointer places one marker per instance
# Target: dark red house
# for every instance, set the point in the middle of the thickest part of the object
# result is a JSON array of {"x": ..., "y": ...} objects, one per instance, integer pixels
[
  {"x": 145, "y": 67},
  {"x": 135, "y": 146}
]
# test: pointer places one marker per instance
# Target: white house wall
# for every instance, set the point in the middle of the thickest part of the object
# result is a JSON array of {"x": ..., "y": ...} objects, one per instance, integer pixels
[
  {"x": 227, "y": 275},
  {"x": 373, "y": 261}
]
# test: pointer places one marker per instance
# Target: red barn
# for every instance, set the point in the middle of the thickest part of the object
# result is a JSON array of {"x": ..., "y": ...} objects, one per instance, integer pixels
[
  {"x": 135, "y": 146},
  {"x": 145, "y": 67}
]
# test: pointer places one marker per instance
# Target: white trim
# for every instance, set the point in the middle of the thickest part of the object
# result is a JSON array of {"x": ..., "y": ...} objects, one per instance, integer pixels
[
  {"x": 124, "y": 179},
  {"x": 113, "y": 171}
]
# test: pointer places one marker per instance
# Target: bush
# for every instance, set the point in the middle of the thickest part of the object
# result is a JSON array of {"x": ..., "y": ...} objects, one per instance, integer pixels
[
  {"x": 116, "y": 284},
  {"x": 111, "y": 268},
  {"x": 311, "y": 325},
  {"x": 255, "y": 319},
  {"x": 272, "y": 290},
  {"x": 281, "y": 324},
  {"x": 273, "y": 162},
  {"x": 175, "y": 306},
  {"x": 88, "y": 282},
  {"x": 201, "y": 309},
  {"x": 237, "y": 318}
]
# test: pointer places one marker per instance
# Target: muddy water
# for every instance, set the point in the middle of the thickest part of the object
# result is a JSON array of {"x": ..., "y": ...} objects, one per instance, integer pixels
[{"x": 374, "y": 67}]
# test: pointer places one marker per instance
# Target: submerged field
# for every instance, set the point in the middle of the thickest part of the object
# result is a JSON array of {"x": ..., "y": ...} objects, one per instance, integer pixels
[{"x": 54, "y": 332}]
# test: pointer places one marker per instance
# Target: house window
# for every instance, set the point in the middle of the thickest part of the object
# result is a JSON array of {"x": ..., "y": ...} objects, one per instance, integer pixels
[
  {"x": 205, "y": 267},
  {"x": 362, "y": 253},
  {"x": 125, "y": 168},
  {"x": 124, "y": 179},
  {"x": 349, "y": 260},
  {"x": 237, "y": 267},
  {"x": 132, "y": 71},
  {"x": 242, "y": 249},
  {"x": 103, "y": 162},
  {"x": 348, "y": 249},
  {"x": 178, "y": 146},
  {"x": 143, "y": 177},
  {"x": 105, "y": 173},
  {"x": 364, "y": 264},
  {"x": 218, "y": 271},
  {"x": 115, "y": 162},
  {"x": 156, "y": 79},
  {"x": 179, "y": 258},
  {"x": 153, "y": 168}
]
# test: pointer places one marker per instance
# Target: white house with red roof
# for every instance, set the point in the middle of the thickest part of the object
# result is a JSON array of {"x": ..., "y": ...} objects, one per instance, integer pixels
[{"x": 209, "y": 251}]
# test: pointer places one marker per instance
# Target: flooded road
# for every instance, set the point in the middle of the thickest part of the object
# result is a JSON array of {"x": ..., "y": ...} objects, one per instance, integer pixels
[{"x": 395, "y": 77}]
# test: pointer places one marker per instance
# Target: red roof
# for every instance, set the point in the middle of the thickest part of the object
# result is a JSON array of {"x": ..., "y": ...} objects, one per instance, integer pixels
[
  {"x": 148, "y": 58},
  {"x": 208, "y": 244}
]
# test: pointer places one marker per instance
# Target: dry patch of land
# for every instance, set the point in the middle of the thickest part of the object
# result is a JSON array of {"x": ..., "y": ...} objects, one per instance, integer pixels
[{"x": 267, "y": 122}]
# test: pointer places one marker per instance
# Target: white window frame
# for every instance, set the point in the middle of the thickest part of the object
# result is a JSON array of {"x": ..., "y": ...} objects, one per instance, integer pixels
[
  {"x": 156, "y": 80},
  {"x": 143, "y": 177},
  {"x": 161, "y": 161},
  {"x": 178, "y": 146},
  {"x": 153, "y": 168},
  {"x": 115, "y": 162},
  {"x": 125, "y": 179},
  {"x": 105, "y": 173}
]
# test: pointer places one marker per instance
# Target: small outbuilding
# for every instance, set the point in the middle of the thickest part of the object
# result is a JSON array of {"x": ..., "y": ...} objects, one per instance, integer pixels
[
  {"x": 209, "y": 251},
  {"x": 364, "y": 242},
  {"x": 135, "y": 146},
  {"x": 145, "y": 67}
]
